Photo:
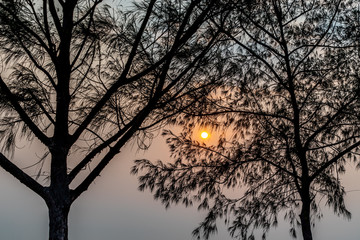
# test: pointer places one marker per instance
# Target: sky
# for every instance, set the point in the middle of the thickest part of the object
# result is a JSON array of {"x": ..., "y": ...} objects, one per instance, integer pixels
[{"x": 113, "y": 208}]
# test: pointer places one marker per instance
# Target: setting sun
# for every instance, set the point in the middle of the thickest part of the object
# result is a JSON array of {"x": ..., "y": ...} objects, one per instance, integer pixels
[{"x": 204, "y": 135}]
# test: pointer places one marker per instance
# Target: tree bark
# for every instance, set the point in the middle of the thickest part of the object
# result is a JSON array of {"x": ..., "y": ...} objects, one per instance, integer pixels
[
  {"x": 305, "y": 219},
  {"x": 58, "y": 222},
  {"x": 59, "y": 199}
]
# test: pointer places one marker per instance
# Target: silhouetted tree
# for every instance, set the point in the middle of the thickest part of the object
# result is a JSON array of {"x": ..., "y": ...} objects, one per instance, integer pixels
[
  {"x": 288, "y": 117},
  {"x": 79, "y": 75}
]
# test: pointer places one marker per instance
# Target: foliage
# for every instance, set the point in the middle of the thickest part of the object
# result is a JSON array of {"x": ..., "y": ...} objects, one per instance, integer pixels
[
  {"x": 82, "y": 75},
  {"x": 288, "y": 121}
]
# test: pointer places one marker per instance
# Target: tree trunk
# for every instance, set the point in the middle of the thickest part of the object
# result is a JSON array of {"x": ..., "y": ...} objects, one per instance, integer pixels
[
  {"x": 58, "y": 200},
  {"x": 305, "y": 220},
  {"x": 58, "y": 222}
]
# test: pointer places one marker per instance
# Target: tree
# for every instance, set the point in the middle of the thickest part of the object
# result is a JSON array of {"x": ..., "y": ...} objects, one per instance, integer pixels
[
  {"x": 288, "y": 121},
  {"x": 79, "y": 75}
]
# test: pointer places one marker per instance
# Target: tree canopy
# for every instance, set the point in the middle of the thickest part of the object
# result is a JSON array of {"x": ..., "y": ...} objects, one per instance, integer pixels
[
  {"x": 288, "y": 119},
  {"x": 83, "y": 75}
]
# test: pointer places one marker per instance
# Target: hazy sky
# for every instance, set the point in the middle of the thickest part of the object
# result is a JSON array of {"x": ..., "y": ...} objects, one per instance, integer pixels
[{"x": 113, "y": 209}]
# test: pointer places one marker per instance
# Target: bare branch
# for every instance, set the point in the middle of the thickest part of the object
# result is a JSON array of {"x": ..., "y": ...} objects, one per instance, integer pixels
[{"x": 22, "y": 176}]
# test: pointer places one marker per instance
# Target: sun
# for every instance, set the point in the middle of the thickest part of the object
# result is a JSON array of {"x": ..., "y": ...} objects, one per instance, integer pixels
[{"x": 204, "y": 135}]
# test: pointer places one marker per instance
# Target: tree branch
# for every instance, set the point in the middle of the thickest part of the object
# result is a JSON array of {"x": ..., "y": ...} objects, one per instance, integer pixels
[
  {"x": 110, "y": 155},
  {"x": 333, "y": 160},
  {"x": 23, "y": 115},
  {"x": 22, "y": 176},
  {"x": 118, "y": 83}
]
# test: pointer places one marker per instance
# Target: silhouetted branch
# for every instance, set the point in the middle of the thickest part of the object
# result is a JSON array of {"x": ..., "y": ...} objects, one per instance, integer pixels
[
  {"x": 23, "y": 115},
  {"x": 22, "y": 176}
]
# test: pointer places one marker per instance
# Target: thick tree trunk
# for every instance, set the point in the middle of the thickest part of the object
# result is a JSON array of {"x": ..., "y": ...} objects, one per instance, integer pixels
[
  {"x": 58, "y": 222},
  {"x": 305, "y": 220}
]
